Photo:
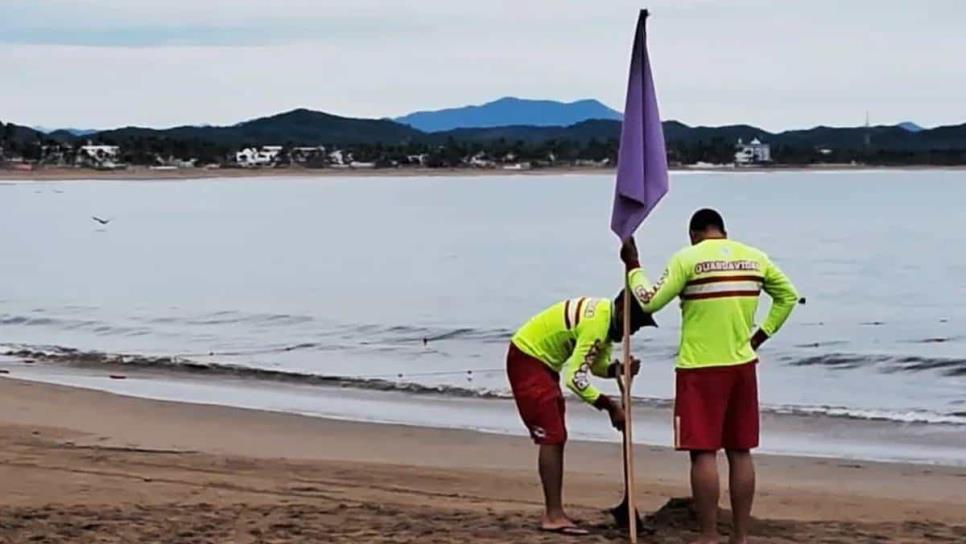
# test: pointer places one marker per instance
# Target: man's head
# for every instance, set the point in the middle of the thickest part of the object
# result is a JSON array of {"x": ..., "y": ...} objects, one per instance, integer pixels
[
  {"x": 706, "y": 224},
  {"x": 639, "y": 318}
]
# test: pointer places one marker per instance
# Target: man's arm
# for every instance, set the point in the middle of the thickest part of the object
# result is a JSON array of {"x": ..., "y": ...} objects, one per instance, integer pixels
[
  {"x": 652, "y": 297},
  {"x": 602, "y": 365},
  {"x": 579, "y": 367},
  {"x": 784, "y": 298},
  {"x": 576, "y": 374}
]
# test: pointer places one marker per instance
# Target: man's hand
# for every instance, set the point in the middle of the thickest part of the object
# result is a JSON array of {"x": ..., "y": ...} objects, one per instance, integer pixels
[
  {"x": 617, "y": 417},
  {"x": 758, "y": 339},
  {"x": 616, "y": 369},
  {"x": 629, "y": 255},
  {"x": 614, "y": 410}
]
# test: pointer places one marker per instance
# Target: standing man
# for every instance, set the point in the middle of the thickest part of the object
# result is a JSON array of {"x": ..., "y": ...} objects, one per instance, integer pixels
[
  {"x": 572, "y": 338},
  {"x": 716, "y": 400}
]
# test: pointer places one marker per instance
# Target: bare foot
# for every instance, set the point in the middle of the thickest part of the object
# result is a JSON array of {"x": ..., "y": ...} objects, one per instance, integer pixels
[
  {"x": 561, "y": 524},
  {"x": 551, "y": 523}
]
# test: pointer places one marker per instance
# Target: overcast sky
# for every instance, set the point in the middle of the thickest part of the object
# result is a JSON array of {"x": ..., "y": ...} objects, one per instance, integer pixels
[{"x": 778, "y": 65}]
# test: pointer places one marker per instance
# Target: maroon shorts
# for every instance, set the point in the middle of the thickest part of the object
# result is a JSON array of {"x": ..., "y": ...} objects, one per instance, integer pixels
[
  {"x": 536, "y": 389},
  {"x": 716, "y": 408}
]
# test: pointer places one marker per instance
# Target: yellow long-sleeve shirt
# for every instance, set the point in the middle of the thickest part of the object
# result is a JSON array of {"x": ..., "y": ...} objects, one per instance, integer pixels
[
  {"x": 719, "y": 282},
  {"x": 572, "y": 337}
]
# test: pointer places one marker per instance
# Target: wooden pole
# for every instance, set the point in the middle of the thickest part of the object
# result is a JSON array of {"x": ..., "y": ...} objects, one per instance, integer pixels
[{"x": 628, "y": 436}]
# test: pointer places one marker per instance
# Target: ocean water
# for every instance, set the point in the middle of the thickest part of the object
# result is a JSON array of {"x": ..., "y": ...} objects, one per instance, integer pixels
[{"x": 416, "y": 284}]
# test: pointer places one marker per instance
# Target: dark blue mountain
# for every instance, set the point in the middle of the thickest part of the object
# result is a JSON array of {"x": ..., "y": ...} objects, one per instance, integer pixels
[
  {"x": 510, "y": 111},
  {"x": 72, "y": 131},
  {"x": 910, "y": 126}
]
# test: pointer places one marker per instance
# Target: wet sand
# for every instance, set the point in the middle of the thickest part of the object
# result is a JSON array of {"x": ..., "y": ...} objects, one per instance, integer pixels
[{"x": 86, "y": 466}]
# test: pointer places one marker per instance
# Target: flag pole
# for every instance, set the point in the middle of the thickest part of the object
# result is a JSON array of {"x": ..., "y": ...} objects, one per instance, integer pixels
[
  {"x": 642, "y": 181},
  {"x": 626, "y": 400},
  {"x": 628, "y": 422}
]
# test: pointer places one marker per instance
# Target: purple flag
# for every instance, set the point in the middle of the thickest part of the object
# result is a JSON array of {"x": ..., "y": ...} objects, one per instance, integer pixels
[{"x": 642, "y": 159}]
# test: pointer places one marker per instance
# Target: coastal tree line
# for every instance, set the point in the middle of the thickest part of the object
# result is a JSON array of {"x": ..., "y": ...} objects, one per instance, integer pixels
[{"x": 454, "y": 153}]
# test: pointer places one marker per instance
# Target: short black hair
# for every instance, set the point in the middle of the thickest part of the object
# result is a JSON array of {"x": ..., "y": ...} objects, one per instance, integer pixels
[
  {"x": 706, "y": 218},
  {"x": 639, "y": 318}
]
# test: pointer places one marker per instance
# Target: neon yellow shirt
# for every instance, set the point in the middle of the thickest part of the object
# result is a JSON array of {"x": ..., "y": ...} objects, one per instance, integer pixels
[
  {"x": 572, "y": 338},
  {"x": 719, "y": 282}
]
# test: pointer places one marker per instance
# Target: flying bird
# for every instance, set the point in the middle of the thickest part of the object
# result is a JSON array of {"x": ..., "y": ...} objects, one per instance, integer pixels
[{"x": 101, "y": 221}]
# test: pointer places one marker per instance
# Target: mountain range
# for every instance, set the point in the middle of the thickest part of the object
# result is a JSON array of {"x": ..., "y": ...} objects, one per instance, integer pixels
[
  {"x": 510, "y": 111},
  {"x": 308, "y": 127}
]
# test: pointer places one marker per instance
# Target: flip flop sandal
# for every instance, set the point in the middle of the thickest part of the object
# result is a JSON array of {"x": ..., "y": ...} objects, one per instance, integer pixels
[{"x": 569, "y": 531}]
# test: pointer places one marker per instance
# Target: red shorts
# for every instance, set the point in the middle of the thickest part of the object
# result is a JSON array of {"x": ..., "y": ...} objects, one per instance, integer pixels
[
  {"x": 716, "y": 408},
  {"x": 536, "y": 389}
]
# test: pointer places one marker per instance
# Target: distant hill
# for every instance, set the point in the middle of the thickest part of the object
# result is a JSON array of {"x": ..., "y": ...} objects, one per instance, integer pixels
[
  {"x": 888, "y": 138},
  {"x": 946, "y": 138},
  {"x": 301, "y": 126},
  {"x": 18, "y": 133},
  {"x": 66, "y": 136},
  {"x": 71, "y": 131},
  {"x": 910, "y": 126},
  {"x": 308, "y": 126},
  {"x": 679, "y": 132},
  {"x": 510, "y": 111},
  {"x": 603, "y": 130},
  {"x": 581, "y": 132}
]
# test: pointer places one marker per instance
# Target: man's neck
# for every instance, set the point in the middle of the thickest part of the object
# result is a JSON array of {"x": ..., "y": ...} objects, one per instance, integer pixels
[{"x": 713, "y": 235}]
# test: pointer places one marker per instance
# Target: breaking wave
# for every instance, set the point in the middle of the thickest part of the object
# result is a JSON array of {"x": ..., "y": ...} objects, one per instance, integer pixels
[
  {"x": 403, "y": 382},
  {"x": 363, "y": 334},
  {"x": 232, "y": 318},
  {"x": 100, "y": 328},
  {"x": 906, "y": 416},
  {"x": 71, "y": 356},
  {"x": 952, "y": 367}
]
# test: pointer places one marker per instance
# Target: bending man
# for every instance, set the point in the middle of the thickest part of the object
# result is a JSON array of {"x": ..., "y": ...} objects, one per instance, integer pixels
[{"x": 572, "y": 338}]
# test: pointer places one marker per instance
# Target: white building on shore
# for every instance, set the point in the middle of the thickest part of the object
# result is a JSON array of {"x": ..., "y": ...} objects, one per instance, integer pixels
[
  {"x": 304, "y": 155},
  {"x": 481, "y": 160},
  {"x": 98, "y": 156},
  {"x": 753, "y": 152},
  {"x": 340, "y": 159},
  {"x": 264, "y": 156}
]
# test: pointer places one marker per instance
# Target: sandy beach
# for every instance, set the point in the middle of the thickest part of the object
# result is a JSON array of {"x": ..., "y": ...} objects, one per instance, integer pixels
[{"x": 86, "y": 466}]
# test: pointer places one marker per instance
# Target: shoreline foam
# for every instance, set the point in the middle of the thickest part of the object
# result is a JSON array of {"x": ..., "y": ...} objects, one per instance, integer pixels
[
  {"x": 800, "y": 433},
  {"x": 185, "y": 365}
]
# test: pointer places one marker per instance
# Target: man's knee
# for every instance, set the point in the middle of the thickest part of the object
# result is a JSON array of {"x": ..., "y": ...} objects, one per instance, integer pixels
[
  {"x": 701, "y": 454},
  {"x": 554, "y": 437},
  {"x": 556, "y": 447}
]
